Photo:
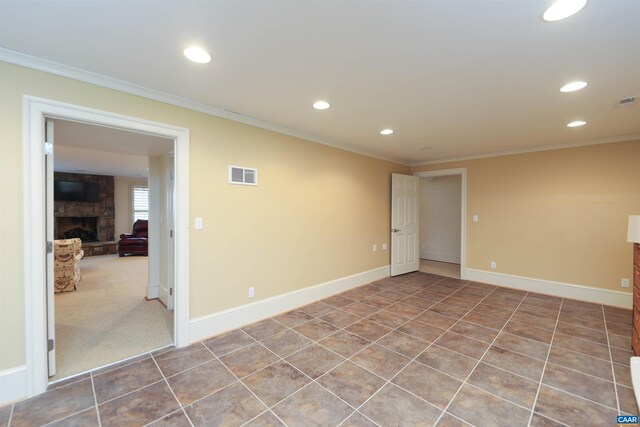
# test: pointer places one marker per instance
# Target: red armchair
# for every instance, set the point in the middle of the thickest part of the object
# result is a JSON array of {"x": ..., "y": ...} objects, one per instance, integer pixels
[{"x": 137, "y": 242}]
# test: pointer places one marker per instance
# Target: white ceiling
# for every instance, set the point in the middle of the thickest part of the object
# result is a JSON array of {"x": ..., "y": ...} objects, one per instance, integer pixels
[
  {"x": 464, "y": 77},
  {"x": 99, "y": 150}
]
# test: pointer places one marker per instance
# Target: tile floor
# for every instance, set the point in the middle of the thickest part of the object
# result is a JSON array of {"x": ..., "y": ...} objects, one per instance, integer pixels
[
  {"x": 418, "y": 349},
  {"x": 445, "y": 269}
]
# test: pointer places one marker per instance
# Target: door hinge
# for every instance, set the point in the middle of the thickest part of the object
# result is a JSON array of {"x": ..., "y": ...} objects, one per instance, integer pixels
[
  {"x": 50, "y": 345},
  {"x": 49, "y": 247},
  {"x": 48, "y": 148},
  {"x": 171, "y": 233},
  {"x": 170, "y": 291}
]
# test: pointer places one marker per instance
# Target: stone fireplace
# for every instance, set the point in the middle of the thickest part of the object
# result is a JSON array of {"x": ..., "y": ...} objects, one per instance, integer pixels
[{"x": 92, "y": 222}]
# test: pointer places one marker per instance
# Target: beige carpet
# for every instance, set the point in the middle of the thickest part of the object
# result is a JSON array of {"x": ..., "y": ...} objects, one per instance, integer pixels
[
  {"x": 107, "y": 319},
  {"x": 441, "y": 268}
]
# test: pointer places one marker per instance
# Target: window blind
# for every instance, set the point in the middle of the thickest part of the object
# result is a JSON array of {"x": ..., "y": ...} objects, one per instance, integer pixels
[{"x": 140, "y": 203}]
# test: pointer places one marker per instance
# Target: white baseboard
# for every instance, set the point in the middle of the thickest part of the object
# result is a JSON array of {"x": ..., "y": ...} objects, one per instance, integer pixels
[
  {"x": 453, "y": 259},
  {"x": 217, "y": 323},
  {"x": 13, "y": 385},
  {"x": 564, "y": 290}
]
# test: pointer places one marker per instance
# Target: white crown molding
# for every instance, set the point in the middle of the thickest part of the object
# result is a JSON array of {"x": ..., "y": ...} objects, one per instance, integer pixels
[
  {"x": 608, "y": 140},
  {"x": 56, "y": 68}
]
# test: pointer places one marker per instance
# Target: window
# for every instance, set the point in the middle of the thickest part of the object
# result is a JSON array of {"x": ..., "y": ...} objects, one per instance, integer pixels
[{"x": 140, "y": 202}]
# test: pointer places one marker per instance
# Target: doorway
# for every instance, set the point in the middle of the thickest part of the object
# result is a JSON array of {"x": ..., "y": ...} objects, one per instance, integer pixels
[
  {"x": 110, "y": 309},
  {"x": 35, "y": 229},
  {"x": 443, "y": 197}
]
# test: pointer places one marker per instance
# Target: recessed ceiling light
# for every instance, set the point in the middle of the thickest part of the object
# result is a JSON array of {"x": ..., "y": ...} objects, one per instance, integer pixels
[
  {"x": 197, "y": 54},
  {"x": 321, "y": 105},
  {"x": 576, "y": 123},
  {"x": 573, "y": 86},
  {"x": 386, "y": 131},
  {"x": 562, "y": 9}
]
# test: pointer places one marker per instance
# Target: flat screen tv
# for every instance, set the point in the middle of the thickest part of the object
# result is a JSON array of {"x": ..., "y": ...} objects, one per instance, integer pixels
[{"x": 69, "y": 191}]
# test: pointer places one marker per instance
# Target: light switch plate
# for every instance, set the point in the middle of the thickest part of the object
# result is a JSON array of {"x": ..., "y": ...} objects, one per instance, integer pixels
[{"x": 198, "y": 224}]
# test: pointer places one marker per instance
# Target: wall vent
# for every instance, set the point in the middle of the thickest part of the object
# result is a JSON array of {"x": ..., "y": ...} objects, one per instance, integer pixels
[
  {"x": 627, "y": 102},
  {"x": 243, "y": 176}
]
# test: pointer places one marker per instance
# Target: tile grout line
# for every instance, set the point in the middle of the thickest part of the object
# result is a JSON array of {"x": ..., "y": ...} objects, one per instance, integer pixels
[
  {"x": 105, "y": 368},
  {"x": 613, "y": 371},
  {"x": 361, "y": 414},
  {"x": 483, "y": 354},
  {"x": 551, "y": 418},
  {"x": 584, "y": 373},
  {"x": 544, "y": 368},
  {"x": 172, "y": 392},
  {"x": 13, "y": 405},
  {"x": 579, "y": 397},
  {"x": 95, "y": 400}
]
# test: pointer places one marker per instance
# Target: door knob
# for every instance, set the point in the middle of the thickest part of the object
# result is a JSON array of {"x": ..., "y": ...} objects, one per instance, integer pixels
[{"x": 395, "y": 230}]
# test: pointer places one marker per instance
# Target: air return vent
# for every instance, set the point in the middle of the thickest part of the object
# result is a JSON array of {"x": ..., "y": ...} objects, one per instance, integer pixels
[
  {"x": 628, "y": 101},
  {"x": 243, "y": 176}
]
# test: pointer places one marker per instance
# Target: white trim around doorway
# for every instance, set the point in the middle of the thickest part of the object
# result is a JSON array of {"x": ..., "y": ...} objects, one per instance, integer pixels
[
  {"x": 34, "y": 112},
  {"x": 463, "y": 210}
]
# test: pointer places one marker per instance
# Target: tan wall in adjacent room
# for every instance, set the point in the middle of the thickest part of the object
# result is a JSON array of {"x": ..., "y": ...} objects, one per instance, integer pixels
[
  {"x": 558, "y": 215},
  {"x": 440, "y": 204},
  {"x": 123, "y": 203},
  {"x": 313, "y": 217}
]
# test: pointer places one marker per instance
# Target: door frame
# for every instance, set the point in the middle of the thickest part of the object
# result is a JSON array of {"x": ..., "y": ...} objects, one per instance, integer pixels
[
  {"x": 462, "y": 172},
  {"x": 34, "y": 112}
]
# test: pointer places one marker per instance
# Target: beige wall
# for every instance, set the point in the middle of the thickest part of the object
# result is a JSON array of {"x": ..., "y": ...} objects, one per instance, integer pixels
[
  {"x": 313, "y": 218},
  {"x": 558, "y": 215},
  {"x": 122, "y": 200},
  {"x": 440, "y": 205}
]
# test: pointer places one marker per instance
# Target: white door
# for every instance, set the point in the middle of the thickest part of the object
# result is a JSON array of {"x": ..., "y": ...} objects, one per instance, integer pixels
[
  {"x": 405, "y": 244},
  {"x": 167, "y": 253},
  {"x": 51, "y": 324}
]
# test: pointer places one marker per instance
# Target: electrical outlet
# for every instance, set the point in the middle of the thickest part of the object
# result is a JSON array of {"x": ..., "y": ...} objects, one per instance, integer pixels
[
  {"x": 493, "y": 265},
  {"x": 624, "y": 282},
  {"x": 252, "y": 292},
  {"x": 375, "y": 248},
  {"x": 384, "y": 246}
]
